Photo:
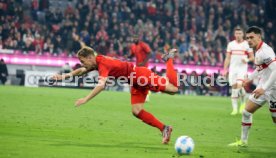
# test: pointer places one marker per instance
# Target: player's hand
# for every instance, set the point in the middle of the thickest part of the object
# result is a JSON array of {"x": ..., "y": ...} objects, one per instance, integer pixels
[
  {"x": 258, "y": 92},
  {"x": 246, "y": 82},
  {"x": 80, "y": 101},
  {"x": 57, "y": 77}
]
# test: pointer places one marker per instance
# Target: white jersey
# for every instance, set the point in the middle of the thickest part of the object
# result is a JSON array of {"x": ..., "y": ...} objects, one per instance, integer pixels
[
  {"x": 263, "y": 57},
  {"x": 238, "y": 51}
]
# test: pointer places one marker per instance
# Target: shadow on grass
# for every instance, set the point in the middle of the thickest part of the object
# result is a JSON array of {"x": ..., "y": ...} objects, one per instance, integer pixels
[{"x": 121, "y": 145}]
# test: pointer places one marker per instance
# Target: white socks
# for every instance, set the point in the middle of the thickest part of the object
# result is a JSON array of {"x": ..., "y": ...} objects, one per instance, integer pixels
[
  {"x": 234, "y": 98},
  {"x": 246, "y": 124}
]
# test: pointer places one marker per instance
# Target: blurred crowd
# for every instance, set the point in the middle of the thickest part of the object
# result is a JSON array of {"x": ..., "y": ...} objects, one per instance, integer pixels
[{"x": 200, "y": 29}]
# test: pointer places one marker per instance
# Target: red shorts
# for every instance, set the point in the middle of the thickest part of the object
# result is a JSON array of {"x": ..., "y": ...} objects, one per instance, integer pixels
[{"x": 142, "y": 81}]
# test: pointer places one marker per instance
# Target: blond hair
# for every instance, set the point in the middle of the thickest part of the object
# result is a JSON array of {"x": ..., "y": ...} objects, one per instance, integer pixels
[{"x": 86, "y": 51}]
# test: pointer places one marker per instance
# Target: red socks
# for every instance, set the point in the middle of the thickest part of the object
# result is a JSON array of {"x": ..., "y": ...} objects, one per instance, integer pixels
[
  {"x": 149, "y": 119},
  {"x": 171, "y": 73}
]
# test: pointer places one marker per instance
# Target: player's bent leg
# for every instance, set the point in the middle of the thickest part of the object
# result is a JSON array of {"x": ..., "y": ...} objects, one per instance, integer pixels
[
  {"x": 247, "y": 118},
  {"x": 246, "y": 125},
  {"x": 170, "y": 89},
  {"x": 252, "y": 106},
  {"x": 148, "y": 118},
  {"x": 136, "y": 108},
  {"x": 171, "y": 73}
]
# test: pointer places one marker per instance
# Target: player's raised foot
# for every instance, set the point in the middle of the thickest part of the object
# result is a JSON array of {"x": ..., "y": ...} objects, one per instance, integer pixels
[
  {"x": 238, "y": 143},
  {"x": 242, "y": 106},
  {"x": 169, "y": 55},
  {"x": 234, "y": 112},
  {"x": 166, "y": 133}
]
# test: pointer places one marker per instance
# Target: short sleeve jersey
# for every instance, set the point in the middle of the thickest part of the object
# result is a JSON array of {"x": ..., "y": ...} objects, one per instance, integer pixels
[
  {"x": 238, "y": 51},
  {"x": 108, "y": 66},
  {"x": 140, "y": 51}
]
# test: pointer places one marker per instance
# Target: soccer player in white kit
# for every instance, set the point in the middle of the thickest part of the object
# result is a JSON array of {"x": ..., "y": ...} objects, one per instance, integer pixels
[
  {"x": 266, "y": 88},
  {"x": 238, "y": 55}
]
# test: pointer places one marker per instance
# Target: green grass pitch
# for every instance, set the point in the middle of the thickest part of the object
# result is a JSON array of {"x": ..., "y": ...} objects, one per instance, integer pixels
[{"x": 43, "y": 122}]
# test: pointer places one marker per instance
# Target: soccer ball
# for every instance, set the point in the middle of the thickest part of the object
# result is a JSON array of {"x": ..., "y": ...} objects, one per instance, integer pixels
[{"x": 184, "y": 145}]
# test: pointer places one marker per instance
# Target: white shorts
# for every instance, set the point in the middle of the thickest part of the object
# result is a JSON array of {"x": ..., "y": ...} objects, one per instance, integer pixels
[
  {"x": 270, "y": 97},
  {"x": 236, "y": 77}
]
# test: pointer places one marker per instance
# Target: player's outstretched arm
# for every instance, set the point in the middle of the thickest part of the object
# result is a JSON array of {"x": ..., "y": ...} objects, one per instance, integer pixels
[
  {"x": 99, "y": 87},
  {"x": 77, "y": 72}
]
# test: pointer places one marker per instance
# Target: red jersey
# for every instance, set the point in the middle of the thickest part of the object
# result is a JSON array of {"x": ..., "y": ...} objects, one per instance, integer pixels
[
  {"x": 108, "y": 66},
  {"x": 140, "y": 51}
]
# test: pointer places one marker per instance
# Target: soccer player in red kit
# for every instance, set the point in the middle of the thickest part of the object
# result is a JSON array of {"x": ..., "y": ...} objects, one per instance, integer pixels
[
  {"x": 140, "y": 79},
  {"x": 141, "y": 51}
]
